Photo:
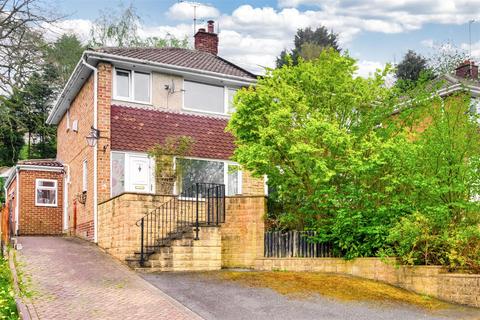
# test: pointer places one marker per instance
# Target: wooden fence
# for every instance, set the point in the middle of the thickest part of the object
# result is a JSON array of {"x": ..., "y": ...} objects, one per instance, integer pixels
[
  {"x": 279, "y": 244},
  {"x": 4, "y": 221}
]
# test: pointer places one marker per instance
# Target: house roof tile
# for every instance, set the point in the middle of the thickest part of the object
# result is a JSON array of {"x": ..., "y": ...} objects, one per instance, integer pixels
[
  {"x": 41, "y": 162},
  {"x": 181, "y": 57},
  {"x": 136, "y": 129}
]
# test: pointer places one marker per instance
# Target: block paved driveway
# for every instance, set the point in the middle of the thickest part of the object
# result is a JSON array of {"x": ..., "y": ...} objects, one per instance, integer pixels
[{"x": 73, "y": 279}]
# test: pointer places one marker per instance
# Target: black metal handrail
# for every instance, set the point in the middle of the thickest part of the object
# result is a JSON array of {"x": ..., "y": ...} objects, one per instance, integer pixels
[{"x": 200, "y": 204}]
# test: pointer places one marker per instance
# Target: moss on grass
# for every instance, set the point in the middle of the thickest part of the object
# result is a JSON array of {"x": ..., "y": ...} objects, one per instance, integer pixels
[{"x": 341, "y": 287}]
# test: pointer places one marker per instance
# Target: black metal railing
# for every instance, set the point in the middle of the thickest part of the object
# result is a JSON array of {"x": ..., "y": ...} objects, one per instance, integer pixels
[
  {"x": 202, "y": 204},
  {"x": 278, "y": 244}
]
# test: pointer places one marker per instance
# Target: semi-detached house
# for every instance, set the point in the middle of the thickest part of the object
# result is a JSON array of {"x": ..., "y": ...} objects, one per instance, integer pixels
[{"x": 117, "y": 104}]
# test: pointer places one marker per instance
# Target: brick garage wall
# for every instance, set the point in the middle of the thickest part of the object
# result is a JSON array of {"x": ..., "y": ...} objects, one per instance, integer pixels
[
  {"x": 39, "y": 220},
  {"x": 72, "y": 150},
  {"x": 118, "y": 233},
  {"x": 429, "y": 280},
  {"x": 243, "y": 231}
]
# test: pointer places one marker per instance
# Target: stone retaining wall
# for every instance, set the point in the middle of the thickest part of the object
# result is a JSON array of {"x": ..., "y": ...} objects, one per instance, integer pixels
[
  {"x": 118, "y": 233},
  {"x": 243, "y": 231},
  {"x": 433, "y": 281}
]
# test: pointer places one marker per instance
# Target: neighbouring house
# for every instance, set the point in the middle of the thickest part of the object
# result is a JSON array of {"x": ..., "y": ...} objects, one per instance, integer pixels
[{"x": 117, "y": 104}]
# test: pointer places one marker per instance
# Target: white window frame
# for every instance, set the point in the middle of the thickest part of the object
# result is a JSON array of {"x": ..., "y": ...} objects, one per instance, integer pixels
[
  {"x": 131, "y": 79},
  {"x": 226, "y": 110},
  {"x": 37, "y": 187},
  {"x": 226, "y": 163}
]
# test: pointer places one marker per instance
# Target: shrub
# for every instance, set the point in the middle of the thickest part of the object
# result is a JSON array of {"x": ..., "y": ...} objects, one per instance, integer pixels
[{"x": 8, "y": 308}]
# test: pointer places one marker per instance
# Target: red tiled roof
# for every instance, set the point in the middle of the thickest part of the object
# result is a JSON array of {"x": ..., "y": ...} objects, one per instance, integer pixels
[
  {"x": 188, "y": 58},
  {"x": 135, "y": 129},
  {"x": 41, "y": 162}
]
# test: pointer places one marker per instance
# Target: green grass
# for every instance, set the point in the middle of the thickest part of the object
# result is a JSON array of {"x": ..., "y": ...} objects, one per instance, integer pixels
[{"x": 8, "y": 309}]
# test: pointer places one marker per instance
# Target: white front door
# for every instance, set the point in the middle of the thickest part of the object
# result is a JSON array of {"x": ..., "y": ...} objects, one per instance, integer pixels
[{"x": 138, "y": 173}]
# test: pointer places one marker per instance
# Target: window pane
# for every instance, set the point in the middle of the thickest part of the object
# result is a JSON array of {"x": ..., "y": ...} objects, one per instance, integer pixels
[
  {"x": 231, "y": 94},
  {"x": 232, "y": 180},
  {"x": 43, "y": 183},
  {"x": 118, "y": 173},
  {"x": 204, "y": 97},
  {"x": 123, "y": 83},
  {"x": 142, "y": 87},
  {"x": 199, "y": 171},
  {"x": 46, "y": 196}
]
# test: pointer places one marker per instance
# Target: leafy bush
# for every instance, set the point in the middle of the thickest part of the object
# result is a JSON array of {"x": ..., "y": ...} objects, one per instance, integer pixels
[
  {"x": 8, "y": 308},
  {"x": 342, "y": 161}
]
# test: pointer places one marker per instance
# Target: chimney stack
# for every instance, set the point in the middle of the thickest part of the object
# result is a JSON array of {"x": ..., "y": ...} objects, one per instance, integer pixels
[
  {"x": 207, "y": 41},
  {"x": 467, "y": 70}
]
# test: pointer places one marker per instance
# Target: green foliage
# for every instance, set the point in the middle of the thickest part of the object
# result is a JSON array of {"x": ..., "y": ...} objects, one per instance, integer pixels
[
  {"x": 64, "y": 55},
  {"x": 120, "y": 29},
  {"x": 8, "y": 308},
  {"x": 164, "y": 154},
  {"x": 342, "y": 161},
  {"x": 412, "y": 68},
  {"x": 309, "y": 44},
  {"x": 31, "y": 105}
]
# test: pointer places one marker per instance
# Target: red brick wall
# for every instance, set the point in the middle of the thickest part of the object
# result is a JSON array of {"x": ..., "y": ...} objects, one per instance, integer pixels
[
  {"x": 72, "y": 150},
  {"x": 39, "y": 220}
]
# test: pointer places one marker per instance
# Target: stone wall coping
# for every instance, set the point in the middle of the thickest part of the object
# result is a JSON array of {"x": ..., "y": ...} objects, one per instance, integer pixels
[
  {"x": 136, "y": 194},
  {"x": 171, "y": 195}
]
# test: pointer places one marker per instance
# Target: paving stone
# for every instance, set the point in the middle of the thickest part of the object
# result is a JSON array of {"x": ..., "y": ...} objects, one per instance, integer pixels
[{"x": 74, "y": 279}]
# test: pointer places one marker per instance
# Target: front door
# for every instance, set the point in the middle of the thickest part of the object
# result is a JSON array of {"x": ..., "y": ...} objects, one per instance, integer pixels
[{"x": 138, "y": 173}]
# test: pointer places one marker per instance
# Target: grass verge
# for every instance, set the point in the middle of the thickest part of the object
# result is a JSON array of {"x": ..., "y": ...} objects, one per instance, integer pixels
[
  {"x": 8, "y": 309},
  {"x": 340, "y": 287}
]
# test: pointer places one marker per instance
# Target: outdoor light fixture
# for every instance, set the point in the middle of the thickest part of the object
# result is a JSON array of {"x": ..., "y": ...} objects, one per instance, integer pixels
[{"x": 93, "y": 137}]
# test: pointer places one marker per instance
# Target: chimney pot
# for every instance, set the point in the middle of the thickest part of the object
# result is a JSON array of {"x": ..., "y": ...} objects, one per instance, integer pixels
[
  {"x": 210, "y": 26},
  {"x": 207, "y": 41}
]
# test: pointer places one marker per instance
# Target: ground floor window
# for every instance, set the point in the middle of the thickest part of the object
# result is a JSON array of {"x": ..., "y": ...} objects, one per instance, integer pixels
[
  {"x": 46, "y": 192},
  {"x": 191, "y": 171}
]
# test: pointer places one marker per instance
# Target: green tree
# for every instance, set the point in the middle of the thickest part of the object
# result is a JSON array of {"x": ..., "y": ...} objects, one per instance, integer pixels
[
  {"x": 121, "y": 30},
  {"x": 412, "y": 65},
  {"x": 64, "y": 55},
  {"x": 309, "y": 44},
  {"x": 32, "y": 105},
  {"x": 313, "y": 129},
  {"x": 11, "y": 132}
]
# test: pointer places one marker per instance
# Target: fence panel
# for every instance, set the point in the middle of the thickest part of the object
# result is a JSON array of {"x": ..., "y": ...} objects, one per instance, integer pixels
[
  {"x": 295, "y": 244},
  {"x": 4, "y": 231}
]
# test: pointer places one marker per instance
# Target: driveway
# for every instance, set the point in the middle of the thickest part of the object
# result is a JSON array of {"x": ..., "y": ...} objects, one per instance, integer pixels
[
  {"x": 73, "y": 279},
  {"x": 213, "y": 297}
]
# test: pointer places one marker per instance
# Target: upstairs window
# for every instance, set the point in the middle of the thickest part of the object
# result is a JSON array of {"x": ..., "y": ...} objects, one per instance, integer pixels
[
  {"x": 132, "y": 86},
  {"x": 45, "y": 193},
  {"x": 208, "y": 98}
]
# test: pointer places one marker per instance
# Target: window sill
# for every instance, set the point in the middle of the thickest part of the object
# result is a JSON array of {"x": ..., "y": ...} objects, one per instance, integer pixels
[
  {"x": 207, "y": 112},
  {"x": 46, "y": 205},
  {"x": 122, "y": 99}
]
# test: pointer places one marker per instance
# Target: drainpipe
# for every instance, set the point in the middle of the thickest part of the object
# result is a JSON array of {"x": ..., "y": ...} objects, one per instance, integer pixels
[
  {"x": 95, "y": 150},
  {"x": 17, "y": 198},
  {"x": 66, "y": 185}
]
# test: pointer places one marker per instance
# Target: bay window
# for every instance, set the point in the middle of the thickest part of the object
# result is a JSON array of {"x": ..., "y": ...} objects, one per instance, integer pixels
[{"x": 193, "y": 171}]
